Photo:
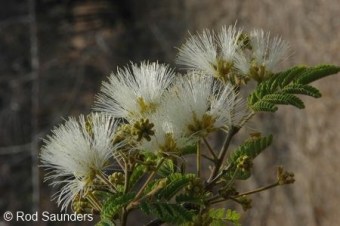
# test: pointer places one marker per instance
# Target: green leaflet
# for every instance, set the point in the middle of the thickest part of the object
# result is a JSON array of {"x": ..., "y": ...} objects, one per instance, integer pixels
[
  {"x": 296, "y": 88},
  {"x": 251, "y": 148},
  {"x": 176, "y": 182},
  {"x": 136, "y": 174},
  {"x": 282, "y": 87},
  {"x": 159, "y": 205},
  {"x": 167, "y": 168},
  {"x": 221, "y": 216},
  {"x": 289, "y": 75},
  {"x": 114, "y": 204},
  {"x": 316, "y": 73},
  {"x": 283, "y": 98},
  {"x": 153, "y": 185},
  {"x": 189, "y": 198},
  {"x": 264, "y": 106},
  {"x": 170, "y": 213}
]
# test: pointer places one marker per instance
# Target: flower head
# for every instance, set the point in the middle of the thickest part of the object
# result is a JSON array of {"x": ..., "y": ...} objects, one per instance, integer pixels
[
  {"x": 199, "y": 52},
  {"x": 212, "y": 54},
  {"x": 134, "y": 92},
  {"x": 265, "y": 54},
  {"x": 167, "y": 137},
  {"x": 228, "y": 42},
  {"x": 75, "y": 152},
  {"x": 194, "y": 106},
  {"x": 199, "y": 104}
]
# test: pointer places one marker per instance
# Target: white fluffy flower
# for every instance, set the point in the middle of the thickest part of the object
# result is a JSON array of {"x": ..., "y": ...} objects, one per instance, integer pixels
[
  {"x": 199, "y": 52},
  {"x": 210, "y": 53},
  {"x": 228, "y": 42},
  {"x": 167, "y": 138},
  {"x": 266, "y": 51},
  {"x": 194, "y": 106},
  {"x": 134, "y": 92},
  {"x": 199, "y": 104},
  {"x": 75, "y": 152},
  {"x": 243, "y": 64}
]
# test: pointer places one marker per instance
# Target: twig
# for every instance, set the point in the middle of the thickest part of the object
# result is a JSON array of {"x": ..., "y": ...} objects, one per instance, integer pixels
[
  {"x": 124, "y": 216},
  {"x": 207, "y": 157},
  {"x": 223, "y": 152},
  {"x": 103, "y": 178},
  {"x": 94, "y": 202},
  {"x": 210, "y": 149},
  {"x": 258, "y": 190},
  {"x": 151, "y": 176},
  {"x": 213, "y": 181},
  {"x": 198, "y": 160},
  {"x": 125, "y": 212},
  {"x": 217, "y": 201},
  {"x": 210, "y": 200},
  {"x": 127, "y": 174}
]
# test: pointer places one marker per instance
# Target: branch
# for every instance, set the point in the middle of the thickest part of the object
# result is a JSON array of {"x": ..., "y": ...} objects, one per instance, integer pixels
[
  {"x": 210, "y": 149},
  {"x": 222, "y": 153},
  {"x": 198, "y": 160},
  {"x": 141, "y": 190},
  {"x": 258, "y": 190}
]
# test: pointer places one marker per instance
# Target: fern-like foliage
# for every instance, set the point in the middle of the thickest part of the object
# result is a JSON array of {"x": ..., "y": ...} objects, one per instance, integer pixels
[
  {"x": 176, "y": 182},
  {"x": 170, "y": 188},
  {"x": 171, "y": 213},
  {"x": 220, "y": 217},
  {"x": 251, "y": 148},
  {"x": 317, "y": 73},
  {"x": 189, "y": 198},
  {"x": 136, "y": 174},
  {"x": 283, "y": 87},
  {"x": 114, "y": 204}
]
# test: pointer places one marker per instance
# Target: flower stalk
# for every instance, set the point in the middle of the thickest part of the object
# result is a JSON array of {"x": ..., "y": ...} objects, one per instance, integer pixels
[
  {"x": 198, "y": 159},
  {"x": 222, "y": 153}
]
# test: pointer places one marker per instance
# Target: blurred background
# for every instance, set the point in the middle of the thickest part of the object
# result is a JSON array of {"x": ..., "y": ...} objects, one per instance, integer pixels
[{"x": 55, "y": 53}]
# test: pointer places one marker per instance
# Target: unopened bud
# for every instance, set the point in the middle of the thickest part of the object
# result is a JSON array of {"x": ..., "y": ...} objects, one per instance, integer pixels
[
  {"x": 244, "y": 163},
  {"x": 284, "y": 177},
  {"x": 245, "y": 202}
]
